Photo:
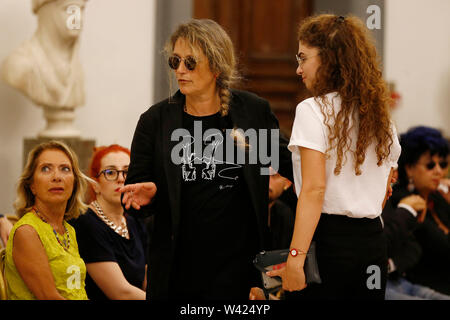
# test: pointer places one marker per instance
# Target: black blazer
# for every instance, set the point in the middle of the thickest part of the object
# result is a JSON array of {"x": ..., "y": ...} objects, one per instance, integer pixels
[{"x": 151, "y": 161}]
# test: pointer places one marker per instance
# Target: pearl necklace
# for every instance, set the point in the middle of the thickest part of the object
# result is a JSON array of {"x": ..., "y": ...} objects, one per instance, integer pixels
[
  {"x": 121, "y": 230},
  {"x": 65, "y": 244}
]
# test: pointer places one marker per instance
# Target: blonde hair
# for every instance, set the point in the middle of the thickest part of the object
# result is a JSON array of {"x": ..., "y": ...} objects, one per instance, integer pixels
[
  {"x": 25, "y": 198},
  {"x": 216, "y": 45}
]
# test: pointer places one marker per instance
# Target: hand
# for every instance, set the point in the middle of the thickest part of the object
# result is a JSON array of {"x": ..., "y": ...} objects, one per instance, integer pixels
[
  {"x": 5, "y": 229},
  {"x": 257, "y": 294},
  {"x": 292, "y": 274},
  {"x": 415, "y": 201},
  {"x": 138, "y": 194},
  {"x": 389, "y": 189},
  {"x": 393, "y": 181},
  {"x": 443, "y": 187}
]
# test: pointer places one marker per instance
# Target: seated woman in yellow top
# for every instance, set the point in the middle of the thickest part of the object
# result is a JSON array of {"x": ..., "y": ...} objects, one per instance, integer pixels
[{"x": 42, "y": 259}]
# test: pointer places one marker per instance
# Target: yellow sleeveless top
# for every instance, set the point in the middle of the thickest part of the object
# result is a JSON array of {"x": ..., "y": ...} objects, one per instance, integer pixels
[{"x": 68, "y": 269}]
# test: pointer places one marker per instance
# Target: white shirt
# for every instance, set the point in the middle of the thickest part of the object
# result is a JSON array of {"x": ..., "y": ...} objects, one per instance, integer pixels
[{"x": 345, "y": 194}]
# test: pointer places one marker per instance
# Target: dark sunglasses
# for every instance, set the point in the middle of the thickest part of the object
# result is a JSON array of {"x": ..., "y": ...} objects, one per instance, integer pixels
[
  {"x": 189, "y": 62},
  {"x": 430, "y": 165}
]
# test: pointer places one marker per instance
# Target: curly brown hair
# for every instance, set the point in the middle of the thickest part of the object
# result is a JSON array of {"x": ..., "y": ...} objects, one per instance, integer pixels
[{"x": 349, "y": 65}]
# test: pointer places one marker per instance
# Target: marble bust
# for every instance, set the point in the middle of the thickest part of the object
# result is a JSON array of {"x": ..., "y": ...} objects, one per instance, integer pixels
[{"x": 46, "y": 68}]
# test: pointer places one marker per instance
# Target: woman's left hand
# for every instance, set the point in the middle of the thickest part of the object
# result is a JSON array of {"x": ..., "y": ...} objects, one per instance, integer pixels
[
  {"x": 444, "y": 189},
  {"x": 292, "y": 274}
]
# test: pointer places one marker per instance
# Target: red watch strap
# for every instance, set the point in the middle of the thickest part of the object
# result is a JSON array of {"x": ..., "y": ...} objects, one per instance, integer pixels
[{"x": 295, "y": 252}]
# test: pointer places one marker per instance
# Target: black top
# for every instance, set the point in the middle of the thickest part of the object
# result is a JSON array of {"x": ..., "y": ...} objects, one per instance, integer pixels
[
  {"x": 217, "y": 220},
  {"x": 98, "y": 243}
]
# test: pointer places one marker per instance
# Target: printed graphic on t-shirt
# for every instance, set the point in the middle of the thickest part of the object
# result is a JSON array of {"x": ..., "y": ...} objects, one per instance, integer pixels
[{"x": 210, "y": 164}]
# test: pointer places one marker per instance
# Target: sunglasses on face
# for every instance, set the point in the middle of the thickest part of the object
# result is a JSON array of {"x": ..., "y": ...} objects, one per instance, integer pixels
[
  {"x": 189, "y": 62},
  {"x": 430, "y": 165}
]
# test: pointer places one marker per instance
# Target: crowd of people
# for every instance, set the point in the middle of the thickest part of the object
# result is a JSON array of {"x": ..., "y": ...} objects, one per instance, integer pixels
[{"x": 183, "y": 219}]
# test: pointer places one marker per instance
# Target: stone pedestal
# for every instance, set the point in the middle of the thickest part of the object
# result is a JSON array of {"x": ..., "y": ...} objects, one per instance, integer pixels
[
  {"x": 59, "y": 123},
  {"x": 82, "y": 148}
]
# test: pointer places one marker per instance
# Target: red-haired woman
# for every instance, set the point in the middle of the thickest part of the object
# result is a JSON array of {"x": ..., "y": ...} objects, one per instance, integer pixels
[
  {"x": 344, "y": 147},
  {"x": 111, "y": 243}
]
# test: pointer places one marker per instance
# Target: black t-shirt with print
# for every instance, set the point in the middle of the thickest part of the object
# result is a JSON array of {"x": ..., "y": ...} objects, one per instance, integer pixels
[{"x": 218, "y": 232}]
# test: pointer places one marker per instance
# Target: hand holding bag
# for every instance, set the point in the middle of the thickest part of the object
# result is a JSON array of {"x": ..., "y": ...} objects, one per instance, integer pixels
[{"x": 272, "y": 260}]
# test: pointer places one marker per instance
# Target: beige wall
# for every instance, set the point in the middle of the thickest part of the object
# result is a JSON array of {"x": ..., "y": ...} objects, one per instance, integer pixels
[
  {"x": 417, "y": 59},
  {"x": 117, "y": 53}
]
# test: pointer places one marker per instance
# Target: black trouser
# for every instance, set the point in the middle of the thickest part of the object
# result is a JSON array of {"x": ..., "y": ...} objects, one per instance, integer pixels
[
  {"x": 230, "y": 281},
  {"x": 352, "y": 260}
]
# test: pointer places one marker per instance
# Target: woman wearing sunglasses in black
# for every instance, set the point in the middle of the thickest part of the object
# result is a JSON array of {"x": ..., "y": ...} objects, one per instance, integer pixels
[
  {"x": 209, "y": 209},
  {"x": 417, "y": 216}
]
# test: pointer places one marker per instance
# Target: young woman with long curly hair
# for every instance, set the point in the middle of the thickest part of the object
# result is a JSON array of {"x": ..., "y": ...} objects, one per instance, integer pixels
[{"x": 344, "y": 148}]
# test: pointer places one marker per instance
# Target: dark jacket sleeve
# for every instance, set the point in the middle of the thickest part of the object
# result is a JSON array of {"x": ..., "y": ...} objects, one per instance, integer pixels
[
  {"x": 141, "y": 160},
  {"x": 403, "y": 248},
  {"x": 434, "y": 241}
]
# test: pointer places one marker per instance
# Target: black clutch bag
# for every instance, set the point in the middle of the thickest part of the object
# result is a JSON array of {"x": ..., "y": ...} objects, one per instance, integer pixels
[{"x": 272, "y": 260}]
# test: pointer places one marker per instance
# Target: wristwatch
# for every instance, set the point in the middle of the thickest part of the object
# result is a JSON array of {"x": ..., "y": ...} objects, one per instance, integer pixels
[{"x": 295, "y": 252}]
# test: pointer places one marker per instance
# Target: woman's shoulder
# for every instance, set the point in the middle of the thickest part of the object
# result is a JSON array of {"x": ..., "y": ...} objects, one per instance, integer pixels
[
  {"x": 176, "y": 99},
  {"x": 330, "y": 99},
  {"x": 398, "y": 193},
  {"x": 247, "y": 96},
  {"x": 89, "y": 227},
  {"x": 28, "y": 219},
  {"x": 84, "y": 217},
  {"x": 254, "y": 105},
  {"x": 29, "y": 225},
  {"x": 135, "y": 223},
  {"x": 87, "y": 221}
]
